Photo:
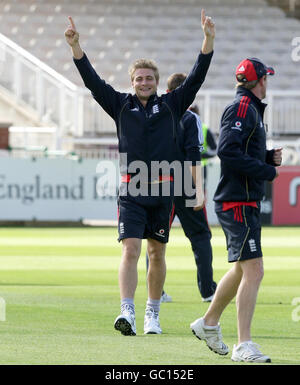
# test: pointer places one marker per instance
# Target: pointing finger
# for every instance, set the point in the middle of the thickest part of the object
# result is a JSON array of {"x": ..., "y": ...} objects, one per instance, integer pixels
[
  {"x": 203, "y": 16},
  {"x": 72, "y": 23}
]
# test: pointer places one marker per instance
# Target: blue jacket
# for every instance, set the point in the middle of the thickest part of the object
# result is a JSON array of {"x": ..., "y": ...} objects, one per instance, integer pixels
[
  {"x": 190, "y": 145},
  {"x": 245, "y": 162},
  {"x": 190, "y": 138},
  {"x": 148, "y": 133}
]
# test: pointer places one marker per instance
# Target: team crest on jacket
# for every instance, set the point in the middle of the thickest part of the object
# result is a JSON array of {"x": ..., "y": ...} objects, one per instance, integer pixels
[{"x": 155, "y": 109}]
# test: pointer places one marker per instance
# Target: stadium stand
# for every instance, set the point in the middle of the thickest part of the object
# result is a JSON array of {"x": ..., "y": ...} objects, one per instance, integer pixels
[
  {"x": 290, "y": 7},
  {"x": 116, "y": 32}
]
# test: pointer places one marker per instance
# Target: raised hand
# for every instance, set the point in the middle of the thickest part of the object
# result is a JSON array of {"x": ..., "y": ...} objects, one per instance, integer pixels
[
  {"x": 71, "y": 34},
  {"x": 208, "y": 25},
  {"x": 72, "y": 37}
]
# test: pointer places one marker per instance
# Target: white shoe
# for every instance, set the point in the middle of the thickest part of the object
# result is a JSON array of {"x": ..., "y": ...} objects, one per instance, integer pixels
[
  {"x": 212, "y": 336},
  {"x": 208, "y": 299},
  {"x": 151, "y": 322},
  {"x": 166, "y": 298},
  {"x": 248, "y": 352},
  {"x": 125, "y": 322}
]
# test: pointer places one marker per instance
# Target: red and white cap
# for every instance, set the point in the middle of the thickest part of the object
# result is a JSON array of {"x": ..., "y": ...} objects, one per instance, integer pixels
[{"x": 252, "y": 69}]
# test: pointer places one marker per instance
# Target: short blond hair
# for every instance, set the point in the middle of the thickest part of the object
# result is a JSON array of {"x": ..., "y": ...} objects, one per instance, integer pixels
[{"x": 143, "y": 63}]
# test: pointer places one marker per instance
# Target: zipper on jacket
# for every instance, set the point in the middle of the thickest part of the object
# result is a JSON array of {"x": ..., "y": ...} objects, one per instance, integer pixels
[{"x": 247, "y": 143}]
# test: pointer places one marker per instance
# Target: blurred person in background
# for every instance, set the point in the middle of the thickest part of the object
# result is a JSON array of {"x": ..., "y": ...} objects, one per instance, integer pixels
[{"x": 209, "y": 147}]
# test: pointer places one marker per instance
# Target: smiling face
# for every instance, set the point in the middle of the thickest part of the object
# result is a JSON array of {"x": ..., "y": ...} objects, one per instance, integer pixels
[{"x": 144, "y": 83}]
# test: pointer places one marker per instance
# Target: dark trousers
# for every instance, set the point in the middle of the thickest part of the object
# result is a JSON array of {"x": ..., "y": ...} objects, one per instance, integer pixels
[{"x": 196, "y": 229}]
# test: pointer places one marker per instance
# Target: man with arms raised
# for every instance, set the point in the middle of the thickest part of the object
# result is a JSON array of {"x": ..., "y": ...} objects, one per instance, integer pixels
[{"x": 146, "y": 129}]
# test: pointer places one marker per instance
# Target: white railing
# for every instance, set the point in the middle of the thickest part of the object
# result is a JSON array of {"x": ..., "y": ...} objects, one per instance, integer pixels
[
  {"x": 71, "y": 109},
  {"x": 31, "y": 82},
  {"x": 282, "y": 114}
]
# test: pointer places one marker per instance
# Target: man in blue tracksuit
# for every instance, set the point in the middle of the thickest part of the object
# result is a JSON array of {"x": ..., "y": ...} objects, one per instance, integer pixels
[
  {"x": 146, "y": 128},
  {"x": 194, "y": 223},
  {"x": 209, "y": 146},
  {"x": 245, "y": 166}
]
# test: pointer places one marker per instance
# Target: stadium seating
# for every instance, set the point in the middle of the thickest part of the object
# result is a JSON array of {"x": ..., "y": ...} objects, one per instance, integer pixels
[{"x": 115, "y": 32}]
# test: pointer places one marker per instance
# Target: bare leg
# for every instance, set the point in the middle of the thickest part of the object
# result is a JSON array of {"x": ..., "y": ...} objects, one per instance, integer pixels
[
  {"x": 128, "y": 275},
  {"x": 226, "y": 291},
  {"x": 157, "y": 268},
  {"x": 253, "y": 273}
]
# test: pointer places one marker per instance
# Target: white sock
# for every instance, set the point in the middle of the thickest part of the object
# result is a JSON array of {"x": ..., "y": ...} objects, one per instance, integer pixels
[
  {"x": 127, "y": 302},
  {"x": 154, "y": 304}
]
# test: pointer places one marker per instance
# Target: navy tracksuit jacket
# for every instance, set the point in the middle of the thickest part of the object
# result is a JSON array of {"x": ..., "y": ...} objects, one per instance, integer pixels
[
  {"x": 145, "y": 134},
  {"x": 245, "y": 162}
]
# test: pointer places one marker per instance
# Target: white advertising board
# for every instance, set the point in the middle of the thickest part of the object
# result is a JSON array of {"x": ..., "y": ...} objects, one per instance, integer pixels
[
  {"x": 52, "y": 190},
  {"x": 67, "y": 190}
]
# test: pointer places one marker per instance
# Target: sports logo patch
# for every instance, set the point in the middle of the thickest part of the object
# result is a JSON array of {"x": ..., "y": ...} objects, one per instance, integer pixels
[
  {"x": 238, "y": 126},
  {"x": 161, "y": 233}
]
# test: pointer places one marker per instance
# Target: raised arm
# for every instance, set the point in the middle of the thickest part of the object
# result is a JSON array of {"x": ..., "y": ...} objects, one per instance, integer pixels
[
  {"x": 182, "y": 97},
  {"x": 108, "y": 98},
  {"x": 72, "y": 38},
  {"x": 209, "y": 31}
]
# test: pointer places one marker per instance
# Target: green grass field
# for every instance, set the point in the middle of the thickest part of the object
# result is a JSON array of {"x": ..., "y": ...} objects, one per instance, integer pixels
[{"x": 61, "y": 292}]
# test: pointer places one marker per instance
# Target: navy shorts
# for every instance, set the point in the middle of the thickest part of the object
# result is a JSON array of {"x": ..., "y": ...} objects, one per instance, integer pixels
[
  {"x": 242, "y": 229},
  {"x": 145, "y": 217}
]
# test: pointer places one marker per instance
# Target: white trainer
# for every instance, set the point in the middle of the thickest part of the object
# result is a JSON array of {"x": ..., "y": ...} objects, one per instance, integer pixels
[
  {"x": 151, "y": 322},
  {"x": 212, "y": 336},
  {"x": 125, "y": 322},
  {"x": 248, "y": 352},
  {"x": 166, "y": 298}
]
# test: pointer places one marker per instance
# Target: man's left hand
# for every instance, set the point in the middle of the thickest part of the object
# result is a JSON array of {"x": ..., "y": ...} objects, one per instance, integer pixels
[
  {"x": 208, "y": 25},
  {"x": 277, "y": 157}
]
